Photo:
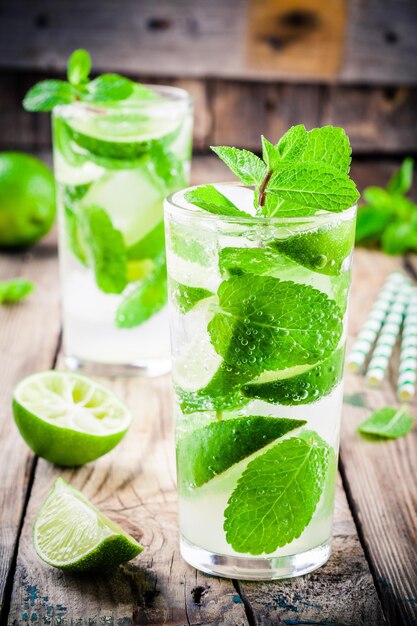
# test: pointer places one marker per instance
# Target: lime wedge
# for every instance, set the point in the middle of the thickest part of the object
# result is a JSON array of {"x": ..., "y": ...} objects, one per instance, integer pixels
[
  {"x": 71, "y": 534},
  {"x": 67, "y": 418}
]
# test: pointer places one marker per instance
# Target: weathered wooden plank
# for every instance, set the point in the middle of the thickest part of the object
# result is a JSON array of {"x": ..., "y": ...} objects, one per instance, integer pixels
[
  {"x": 236, "y": 113},
  {"x": 342, "y": 592},
  {"x": 380, "y": 477},
  {"x": 135, "y": 486},
  {"x": 368, "y": 42},
  {"x": 28, "y": 342}
]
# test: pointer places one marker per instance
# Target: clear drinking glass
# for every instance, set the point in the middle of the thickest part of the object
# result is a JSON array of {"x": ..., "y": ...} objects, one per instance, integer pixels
[
  {"x": 114, "y": 165},
  {"x": 258, "y": 325}
]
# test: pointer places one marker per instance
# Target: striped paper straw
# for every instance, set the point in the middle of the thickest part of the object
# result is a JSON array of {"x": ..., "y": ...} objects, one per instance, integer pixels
[
  {"x": 388, "y": 336},
  {"x": 408, "y": 356},
  {"x": 374, "y": 321}
]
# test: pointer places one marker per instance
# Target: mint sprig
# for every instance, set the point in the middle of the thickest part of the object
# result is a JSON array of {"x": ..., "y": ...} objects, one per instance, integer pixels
[
  {"x": 389, "y": 217},
  {"x": 306, "y": 171},
  {"x": 47, "y": 94}
]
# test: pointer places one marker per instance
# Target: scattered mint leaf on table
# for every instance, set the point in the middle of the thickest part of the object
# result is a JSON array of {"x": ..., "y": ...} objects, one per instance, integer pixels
[
  {"x": 15, "y": 290},
  {"x": 79, "y": 67},
  {"x": 104, "y": 249},
  {"x": 186, "y": 297},
  {"x": 285, "y": 483},
  {"x": 248, "y": 167},
  {"x": 211, "y": 450},
  {"x": 144, "y": 300},
  {"x": 269, "y": 324},
  {"x": 388, "y": 423},
  {"x": 213, "y": 201}
]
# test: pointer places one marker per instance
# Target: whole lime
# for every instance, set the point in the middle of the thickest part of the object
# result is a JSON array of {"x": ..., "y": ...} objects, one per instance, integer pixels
[{"x": 27, "y": 199}]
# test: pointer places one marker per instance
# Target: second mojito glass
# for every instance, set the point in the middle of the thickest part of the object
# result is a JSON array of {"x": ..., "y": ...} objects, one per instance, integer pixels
[
  {"x": 114, "y": 164},
  {"x": 258, "y": 319}
]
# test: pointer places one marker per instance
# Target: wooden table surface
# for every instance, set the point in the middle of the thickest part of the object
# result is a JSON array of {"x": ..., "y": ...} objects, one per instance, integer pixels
[{"x": 369, "y": 580}]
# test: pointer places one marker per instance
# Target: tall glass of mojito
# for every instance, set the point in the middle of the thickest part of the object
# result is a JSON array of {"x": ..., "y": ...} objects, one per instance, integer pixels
[
  {"x": 259, "y": 275},
  {"x": 119, "y": 149}
]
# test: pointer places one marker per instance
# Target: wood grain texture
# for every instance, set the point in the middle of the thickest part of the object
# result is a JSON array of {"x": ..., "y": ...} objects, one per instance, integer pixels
[
  {"x": 25, "y": 347},
  {"x": 135, "y": 486},
  {"x": 360, "y": 41},
  {"x": 380, "y": 476},
  {"x": 342, "y": 592}
]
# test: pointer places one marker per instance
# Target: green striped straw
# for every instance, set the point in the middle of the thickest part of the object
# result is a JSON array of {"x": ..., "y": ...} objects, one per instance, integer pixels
[
  {"x": 369, "y": 331},
  {"x": 408, "y": 355},
  {"x": 388, "y": 336}
]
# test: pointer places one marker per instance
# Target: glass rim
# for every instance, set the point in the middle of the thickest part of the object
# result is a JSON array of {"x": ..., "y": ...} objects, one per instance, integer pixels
[
  {"x": 169, "y": 96},
  {"x": 184, "y": 210}
]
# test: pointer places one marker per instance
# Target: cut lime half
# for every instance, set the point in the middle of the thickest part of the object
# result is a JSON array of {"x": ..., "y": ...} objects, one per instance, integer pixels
[
  {"x": 67, "y": 418},
  {"x": 71, "y": 534}
]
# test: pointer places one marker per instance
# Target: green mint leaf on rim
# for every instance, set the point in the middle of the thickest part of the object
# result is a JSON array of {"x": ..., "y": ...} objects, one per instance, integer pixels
[
  {"x": 269, "y": 324},
  {"x": 105, "y": 249},
  {"x": 144, "y": 300},
  {"x": 186, "y": 297},
  {"x": 248, "y": 167},
  {"x": 79, "y": 67},
  {"x": 211, "y": 450},
  {"x": 290, "y": 476},
  {"x": 292, "y": 143},
  {"x": 47, "y": 94},
  {"x": 388, "y": 423},
  {"x": 108, "y": 88},
  {"x": 402, "y": 180},
  {"x": 15, "y": 290},
  {"x": 328, "y": 145},
  {"x": 210, "y": 199},
  {"x": 315, "y": 185},
  {"x": 304, "y": 388}
]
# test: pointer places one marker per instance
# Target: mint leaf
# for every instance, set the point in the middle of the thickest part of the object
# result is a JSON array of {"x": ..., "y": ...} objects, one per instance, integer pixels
[
  {"x": 144, "y": 300},
  {"x": 329, "y": 145},
  {"x": 186, "y": 297},
  {"x": 210, "y": 199},
  {"x": 168, "y": 168},
  {"x": 291, "y": 145},
  {"x": 290, "y": 476},
  {"x": 79, "y": 67},
  {"x": 388, "y": 423},
  {"x": 211, "y": 450},
  {"x": 371, "y": 223},
  {"x": 71, "y": 195},
  {"x": 305, "y": 388},
  {"x": 15, "y": 290},
  {"x": 323, "y": 250},
  {"x": 104, "y": 248},
  {"x": 402, "y": 180},
  {"x": 270, "y": 154},
  {"x": 249, "y": 168},
  {"x": 108, "y": 87},
  {"x": 47, "y": 94},
  {"x": 269, "y": 324},
  {"x": 315, "y": 185},
  {"x": 398, "y": 237}
]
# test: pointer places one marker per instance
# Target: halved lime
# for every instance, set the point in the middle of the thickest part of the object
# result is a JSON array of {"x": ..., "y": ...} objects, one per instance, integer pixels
[
  {"x": 71, "y": 534},
  {"x": 67, "y": 418}
]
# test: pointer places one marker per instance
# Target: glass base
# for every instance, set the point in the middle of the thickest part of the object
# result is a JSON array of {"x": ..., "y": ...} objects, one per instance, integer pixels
[
  {"x": 112, "y": 370},
  {"x": 246, "y": 568}
]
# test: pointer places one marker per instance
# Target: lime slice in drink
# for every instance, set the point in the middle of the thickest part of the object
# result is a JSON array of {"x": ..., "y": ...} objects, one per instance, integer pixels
[
  {"x": 67, "y": 418},
  {"x": 71, "y": 534},
  {"x": 323, "y": 250}
]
